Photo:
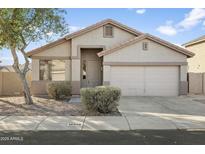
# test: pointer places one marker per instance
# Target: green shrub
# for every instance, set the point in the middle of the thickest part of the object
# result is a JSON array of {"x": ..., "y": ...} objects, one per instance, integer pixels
[
  {"x": 103, "y": 99},
  {"x": 59, "y": 89}
]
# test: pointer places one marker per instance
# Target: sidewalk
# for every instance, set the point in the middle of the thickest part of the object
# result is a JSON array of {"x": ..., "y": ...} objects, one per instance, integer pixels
[{"x": 93, "y": 123}]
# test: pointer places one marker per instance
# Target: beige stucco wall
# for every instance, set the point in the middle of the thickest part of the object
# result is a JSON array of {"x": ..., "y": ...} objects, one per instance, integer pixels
[
  {"x": 39, "y": 87},
  {"x": 183, "y": 82},
  {"x": 183, "y": 72},
  {"x": 196, "y": 83},
  {"x": 203, "y": 86},
  {"x": 35, "y": 69},
  {"x": 155, "y": 53},
  {"x": 75, "y": 70},
  {"x": 197, "y": 63},
  {"x": 95, "y": 37},
  {"x": 106, "y": 74},
  {"x": 67, "y": 70},
  {"x": 61, "y": 50}
]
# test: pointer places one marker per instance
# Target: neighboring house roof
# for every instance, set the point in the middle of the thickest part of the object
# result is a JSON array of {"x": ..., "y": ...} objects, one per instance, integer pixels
[
  {"x": 83, "y": 31},
  {"x": 195, "y": 41},
  {"x": 150, "y": 37},
  {"x": 7, "y": 68}
]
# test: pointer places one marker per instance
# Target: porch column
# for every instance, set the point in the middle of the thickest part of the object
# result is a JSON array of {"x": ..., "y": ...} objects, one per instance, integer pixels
[
  {"x": 183, "y": 83},
  {"x": 36, "y": 84},
  {"x": 35, "y": 69},
  {"x": 106, "y": 75},
  {"x": 75, "y": 77}
]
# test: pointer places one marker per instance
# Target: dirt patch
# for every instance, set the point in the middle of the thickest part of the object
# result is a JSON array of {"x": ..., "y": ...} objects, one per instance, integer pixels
[
  {"x": 42, "y": 106},
  {"x": 16, "y": 106}
]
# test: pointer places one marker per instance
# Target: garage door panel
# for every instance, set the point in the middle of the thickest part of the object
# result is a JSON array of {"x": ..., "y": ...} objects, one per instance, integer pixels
[
  {"x": 161, "y": 81},
  {"x": 146, "y": 81},
  {"x": 128, "y": 79}
]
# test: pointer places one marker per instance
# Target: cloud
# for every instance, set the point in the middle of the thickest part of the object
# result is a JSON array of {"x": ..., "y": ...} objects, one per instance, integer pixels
[
  {"x": 140, "y": 11},
  {"x": 167, "y": 29},
  {"x": 193, "y": 18},
  {"x": 74, "y": 28}
]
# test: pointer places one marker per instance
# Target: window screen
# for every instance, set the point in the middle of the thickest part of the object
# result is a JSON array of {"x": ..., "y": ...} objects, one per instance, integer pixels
[{"x": 53, "y": 70}]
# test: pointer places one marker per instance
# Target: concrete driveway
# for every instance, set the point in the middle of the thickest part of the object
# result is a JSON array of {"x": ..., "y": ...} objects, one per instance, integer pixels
[{"x": 183, "y": 112}]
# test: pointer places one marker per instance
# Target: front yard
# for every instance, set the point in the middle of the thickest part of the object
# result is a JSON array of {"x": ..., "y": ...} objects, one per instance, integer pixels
[
  {"x": 99, "y": 101},
  {"x": 42, "y": 106}
]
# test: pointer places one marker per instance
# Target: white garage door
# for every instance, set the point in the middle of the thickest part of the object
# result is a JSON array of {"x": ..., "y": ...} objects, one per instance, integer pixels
[{"x": 146, "y": 81}]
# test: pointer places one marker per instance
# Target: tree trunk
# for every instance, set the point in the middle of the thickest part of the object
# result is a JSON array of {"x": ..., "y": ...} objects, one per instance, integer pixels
[
  {"x": 26, "y": 90},
  {"x": 22, "y": 75}
]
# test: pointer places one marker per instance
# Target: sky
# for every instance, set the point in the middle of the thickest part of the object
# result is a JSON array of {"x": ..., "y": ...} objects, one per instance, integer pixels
[{"x": 177, "y": 26}]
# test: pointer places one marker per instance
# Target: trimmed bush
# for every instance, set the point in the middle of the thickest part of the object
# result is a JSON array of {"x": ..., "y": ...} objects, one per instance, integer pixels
[
  {"x": 59, "y": 89},
  {"x": 103, "y": 99}
]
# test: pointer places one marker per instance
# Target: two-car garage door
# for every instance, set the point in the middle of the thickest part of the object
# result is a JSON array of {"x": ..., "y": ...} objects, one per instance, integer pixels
[{"x": 146, "y": 80}]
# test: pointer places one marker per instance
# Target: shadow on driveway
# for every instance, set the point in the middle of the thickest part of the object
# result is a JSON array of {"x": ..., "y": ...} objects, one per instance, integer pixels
[{"x": 137, "y": 137}]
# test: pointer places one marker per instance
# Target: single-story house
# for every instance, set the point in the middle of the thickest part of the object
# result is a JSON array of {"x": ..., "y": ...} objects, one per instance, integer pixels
[
  {"x": 197, "y": 46},
  {"x": 110, "y": 53}
]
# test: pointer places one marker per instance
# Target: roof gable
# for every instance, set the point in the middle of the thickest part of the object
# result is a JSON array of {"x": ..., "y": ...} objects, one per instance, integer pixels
[
  {"x": 100, "y": 24},
  {"x": 150, "y": 37}
]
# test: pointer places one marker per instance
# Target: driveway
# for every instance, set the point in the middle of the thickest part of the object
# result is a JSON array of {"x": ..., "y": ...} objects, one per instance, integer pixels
[{"x": 183, "y": 112}]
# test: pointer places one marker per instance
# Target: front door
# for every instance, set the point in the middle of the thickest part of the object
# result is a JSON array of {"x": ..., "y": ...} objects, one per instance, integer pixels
[{"x": 91, "y": 68}]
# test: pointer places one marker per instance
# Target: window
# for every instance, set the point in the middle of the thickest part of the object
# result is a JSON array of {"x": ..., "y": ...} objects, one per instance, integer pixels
[
  {"x": 52, "y": 70},
  {"x": 108, "y": 31},
  {"x": 145, "y": 46},
  {"x": 45, "y": 69}
]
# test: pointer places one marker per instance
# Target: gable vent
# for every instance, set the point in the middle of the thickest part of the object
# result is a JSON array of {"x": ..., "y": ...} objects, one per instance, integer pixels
[
  {"x": 108, "y": 31},
  {"x": 145, "y": 46}
]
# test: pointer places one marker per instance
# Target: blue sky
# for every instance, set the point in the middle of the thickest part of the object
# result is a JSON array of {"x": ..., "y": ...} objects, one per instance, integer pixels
[{"x": 175, "y": 25}]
